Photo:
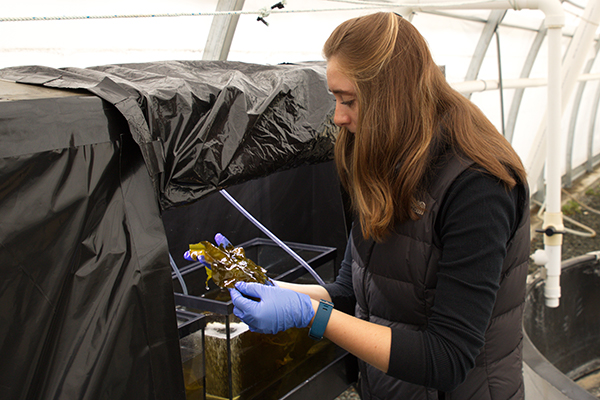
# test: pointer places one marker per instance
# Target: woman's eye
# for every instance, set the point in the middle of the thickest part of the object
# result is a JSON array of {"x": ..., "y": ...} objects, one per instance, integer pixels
[{"x": 348, "y": 103}]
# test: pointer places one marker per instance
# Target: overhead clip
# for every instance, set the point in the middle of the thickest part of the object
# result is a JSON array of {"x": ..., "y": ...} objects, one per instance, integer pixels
[{"x": 264, "y": 13}]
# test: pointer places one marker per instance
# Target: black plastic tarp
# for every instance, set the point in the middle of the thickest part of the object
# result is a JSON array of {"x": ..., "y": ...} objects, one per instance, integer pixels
[
  {"x": 208, "y": 125},
  {"x": 86, "y": 301}
]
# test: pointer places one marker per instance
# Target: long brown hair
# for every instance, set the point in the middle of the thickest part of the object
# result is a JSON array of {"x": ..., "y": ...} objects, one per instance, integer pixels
[{"x": 405, "y": 107}]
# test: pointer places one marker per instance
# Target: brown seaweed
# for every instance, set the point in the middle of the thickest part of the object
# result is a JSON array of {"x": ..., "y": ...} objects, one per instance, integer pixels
[{"x": 229, "y": 264}]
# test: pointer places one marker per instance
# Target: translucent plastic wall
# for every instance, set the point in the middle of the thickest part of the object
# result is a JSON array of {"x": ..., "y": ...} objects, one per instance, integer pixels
[{"x": 292, "y": 36}]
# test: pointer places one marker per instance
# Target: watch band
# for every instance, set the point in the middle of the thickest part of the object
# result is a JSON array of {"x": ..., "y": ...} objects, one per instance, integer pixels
[{"x": 321, "y": 319}]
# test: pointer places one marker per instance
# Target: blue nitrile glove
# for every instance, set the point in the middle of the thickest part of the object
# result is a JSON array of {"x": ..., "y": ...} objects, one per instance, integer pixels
[
  {"x": 219, "y": 240},
  {"x": 278, "y": 309},
  {"x": 200, "y": 259}
]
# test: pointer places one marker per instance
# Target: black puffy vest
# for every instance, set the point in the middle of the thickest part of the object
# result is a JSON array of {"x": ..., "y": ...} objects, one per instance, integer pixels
[{"x": 402, "y": 271}]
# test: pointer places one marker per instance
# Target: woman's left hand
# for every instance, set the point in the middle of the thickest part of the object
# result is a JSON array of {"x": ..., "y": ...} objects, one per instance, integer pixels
[{"x": 275, "y": 310}]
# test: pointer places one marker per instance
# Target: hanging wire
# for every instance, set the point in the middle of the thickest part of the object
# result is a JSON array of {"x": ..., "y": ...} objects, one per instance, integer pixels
[
  {"x": 272, "y": 236},
  {"x": 364, "y": 6},
  {"x": 187, "y": 14}
]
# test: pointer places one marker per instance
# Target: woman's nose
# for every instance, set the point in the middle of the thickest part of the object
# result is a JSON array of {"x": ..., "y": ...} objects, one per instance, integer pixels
[{"x": 340, "y": 118}]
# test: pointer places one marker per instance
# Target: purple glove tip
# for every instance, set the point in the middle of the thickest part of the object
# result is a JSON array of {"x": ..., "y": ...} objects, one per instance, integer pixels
[{"x": 221, "y": 240}]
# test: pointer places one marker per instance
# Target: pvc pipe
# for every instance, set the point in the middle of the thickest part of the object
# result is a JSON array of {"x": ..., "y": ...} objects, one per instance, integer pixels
[
  {"x": 482, "y": 85},
  {"x": 552, "y": 280},
  {"x": 554, "y": 21},
  {"x": 552, "y": 9},
  {"x": 554, "y": 112},
  {"x": 553, "y": 215},
  {"x": 493, "y": 84},
  {"x": 577, "y": 53},
  {"x": 574, "y": 59}
]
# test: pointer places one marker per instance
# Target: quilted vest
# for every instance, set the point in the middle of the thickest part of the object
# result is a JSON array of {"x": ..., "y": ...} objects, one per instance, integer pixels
[{"x": 402, "y": 271}]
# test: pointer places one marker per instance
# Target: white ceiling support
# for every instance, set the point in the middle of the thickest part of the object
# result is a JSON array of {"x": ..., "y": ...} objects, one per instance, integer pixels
[
  {"x": 590, "y": 153},
  {"x": 573, "y": 122},
  {"x": 482, "y": 85},
  {"x": 222, "y": 31},
  {"x": 553, "y": 219},
  {"x": 515, "y": 105},
  {"x": 489, "y": 29},
  {"x": 590, "y": 142},
  {"x": 546, "y": 146},
  {"x": 574, "y": 60}
]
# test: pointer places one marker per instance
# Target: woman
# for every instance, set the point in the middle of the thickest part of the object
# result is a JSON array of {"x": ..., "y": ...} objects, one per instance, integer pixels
[{"x": 437, "y": 259}]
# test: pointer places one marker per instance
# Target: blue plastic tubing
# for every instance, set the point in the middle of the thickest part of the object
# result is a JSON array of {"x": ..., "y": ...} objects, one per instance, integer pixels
[{"x": 272, "y": 236}]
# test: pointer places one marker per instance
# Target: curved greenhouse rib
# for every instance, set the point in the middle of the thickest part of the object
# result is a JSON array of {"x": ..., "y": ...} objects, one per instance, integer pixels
[
  {"x": 222, "y": 30},
  {"x": 515, "y": 105},
  {"x": 590, "y": 154},
  {"x": 573, "y": 64},
  {"x": 573, "y": 122},
  {"x": 491, "y": 25}
]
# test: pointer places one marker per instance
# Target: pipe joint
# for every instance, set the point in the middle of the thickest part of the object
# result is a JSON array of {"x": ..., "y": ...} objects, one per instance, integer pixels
[
  {"x": 553, "y": 228},
  {"x": 552, "y": 9},
  {"x": 554, "y": 21},
  {"x": 539, "y": 257}
]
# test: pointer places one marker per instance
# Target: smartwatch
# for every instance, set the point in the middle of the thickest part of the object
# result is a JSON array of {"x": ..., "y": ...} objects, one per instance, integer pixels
[{"x": 320, "y": 321}]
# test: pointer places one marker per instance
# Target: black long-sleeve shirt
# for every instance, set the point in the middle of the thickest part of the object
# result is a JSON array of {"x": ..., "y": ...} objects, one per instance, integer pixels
[{"x": 475, "y": 222}]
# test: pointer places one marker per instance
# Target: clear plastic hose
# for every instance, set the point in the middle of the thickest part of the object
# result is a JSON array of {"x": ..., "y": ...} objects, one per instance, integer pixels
[
  {"x": 272, "y": 236},
  {"x": 179, "y": 276}
]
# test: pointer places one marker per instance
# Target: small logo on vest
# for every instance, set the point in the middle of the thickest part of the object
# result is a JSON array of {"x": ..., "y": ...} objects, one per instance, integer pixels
[{"x": 419, "y": 207}]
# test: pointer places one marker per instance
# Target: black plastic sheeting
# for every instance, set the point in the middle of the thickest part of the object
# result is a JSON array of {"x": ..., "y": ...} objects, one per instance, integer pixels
[
  {"x": 208, "y": 125},
  {"x": 86, "y": 298}
]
